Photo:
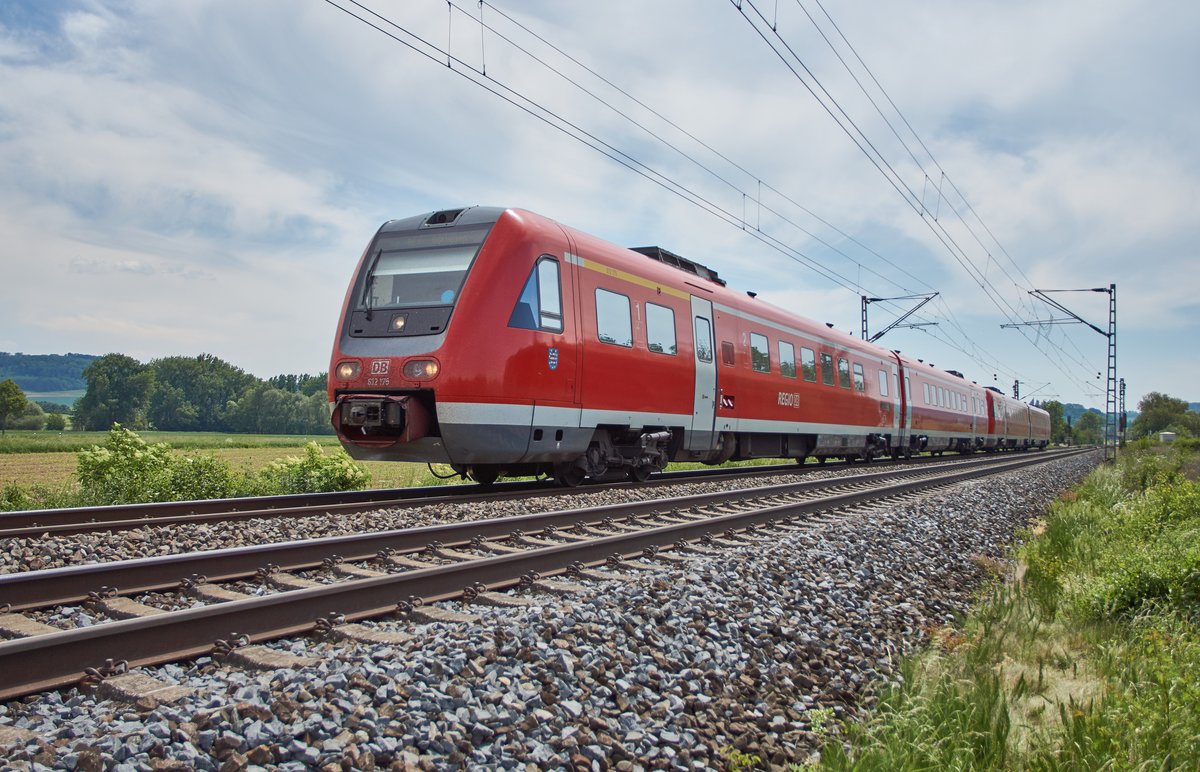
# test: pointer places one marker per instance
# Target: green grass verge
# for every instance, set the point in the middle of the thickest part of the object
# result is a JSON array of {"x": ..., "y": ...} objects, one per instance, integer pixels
[
  {"x": 1089, "y": 660},
  {"x": 51, "y": 442}
]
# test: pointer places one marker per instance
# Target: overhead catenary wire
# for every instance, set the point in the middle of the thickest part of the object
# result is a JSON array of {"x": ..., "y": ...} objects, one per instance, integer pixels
[
  {"x": 446, "y": 59},
  {"x": 834, "y": 109}
]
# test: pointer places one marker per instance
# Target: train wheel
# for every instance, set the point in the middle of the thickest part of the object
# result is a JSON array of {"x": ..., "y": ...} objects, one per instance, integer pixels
[
  {"x": 821, "y": 460},
  {"x": 640, "y": 473},
  {"x": 485, "y": 475},
  {"x": 568, "y": 475}
]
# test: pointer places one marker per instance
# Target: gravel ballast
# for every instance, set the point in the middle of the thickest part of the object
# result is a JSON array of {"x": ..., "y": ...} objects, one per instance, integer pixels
[{"x": 667, "y": 667}]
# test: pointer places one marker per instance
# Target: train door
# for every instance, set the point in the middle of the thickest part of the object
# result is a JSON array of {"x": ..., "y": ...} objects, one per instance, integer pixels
[
  {"x": 904, "y": 397},
  {"x": 704, "y": 403}
]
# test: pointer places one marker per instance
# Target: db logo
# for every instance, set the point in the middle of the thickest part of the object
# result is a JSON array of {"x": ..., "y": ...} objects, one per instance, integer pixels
[{"x": 380, "y": 366}]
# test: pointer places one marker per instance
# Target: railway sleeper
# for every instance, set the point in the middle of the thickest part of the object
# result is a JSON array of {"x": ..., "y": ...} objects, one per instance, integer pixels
[
  {"x": 141, "y": 689},
  {"x": 265, "y": 658},
  {"x": 363, "y": 634},
  {"x": 125, "y": 608},
  {"x": 21, "y": 626},
  {"x": 557, "y": 587},
  {"x": 215, "y": 593}
]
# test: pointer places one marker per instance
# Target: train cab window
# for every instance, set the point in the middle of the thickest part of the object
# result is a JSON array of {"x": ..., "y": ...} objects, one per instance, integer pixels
[
  {"x": 787, "y": 359},
  {"x": 660, "y": 329},
  {"x": 827, "y": 369},
  {"x": 860, "y": 378},
  {"x": 843, "y": 372},
  {"x": 539, "y": 306},
  {"x": 883, "y": 383},
  {"x": 613, "y": 323},
  {"x": 704, "y": 351},
  {"x": 727, "y": 353},
  {"x": 808, "y": 364},
  {"x": 760, "y": 353}
]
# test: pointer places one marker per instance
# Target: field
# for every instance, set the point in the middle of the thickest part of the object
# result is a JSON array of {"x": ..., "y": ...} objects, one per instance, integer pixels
[{"x": 48, "y": 458}]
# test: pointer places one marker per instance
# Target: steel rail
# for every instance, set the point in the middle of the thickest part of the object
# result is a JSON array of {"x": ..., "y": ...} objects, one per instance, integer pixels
[
  {"x": 43, "y": 662},
  {"x": 73, "y": 584},
  {"x": 119, "y": 517}
]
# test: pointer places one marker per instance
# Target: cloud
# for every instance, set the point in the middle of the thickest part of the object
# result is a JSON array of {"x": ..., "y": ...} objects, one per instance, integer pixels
[{"x": 205, "y": 175}]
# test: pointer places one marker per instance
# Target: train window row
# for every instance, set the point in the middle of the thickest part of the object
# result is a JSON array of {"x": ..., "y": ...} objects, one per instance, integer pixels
[
  {"x": 937, "y": 396},
  {"x": 614, "y": 325},
  {"x": 847, "y": 374}
]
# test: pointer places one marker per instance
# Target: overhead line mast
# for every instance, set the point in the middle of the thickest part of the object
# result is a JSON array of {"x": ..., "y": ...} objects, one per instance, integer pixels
[{"x": 1111, "y": 423}]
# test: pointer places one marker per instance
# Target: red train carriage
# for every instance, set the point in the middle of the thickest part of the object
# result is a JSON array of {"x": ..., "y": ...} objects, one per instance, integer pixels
[{"x": 501, "y": 342}]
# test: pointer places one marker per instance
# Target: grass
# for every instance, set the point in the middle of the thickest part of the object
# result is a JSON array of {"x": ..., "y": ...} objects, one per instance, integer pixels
[
  {"x": 70, "y": 442},
  {"x": 1088, "y": 658}
]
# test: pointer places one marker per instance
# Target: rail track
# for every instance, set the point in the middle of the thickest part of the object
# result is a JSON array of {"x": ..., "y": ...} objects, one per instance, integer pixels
[
  {"x": 377, "y": 574},
  {"x": 122, "y": 517}
]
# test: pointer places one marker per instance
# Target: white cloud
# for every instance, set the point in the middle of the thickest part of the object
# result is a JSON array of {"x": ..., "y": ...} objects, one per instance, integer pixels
[{"x": 203, "y": 176}]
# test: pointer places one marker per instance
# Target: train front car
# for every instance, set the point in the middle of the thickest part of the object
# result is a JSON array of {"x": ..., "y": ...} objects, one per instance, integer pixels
[{"x": 454, "y": 326}]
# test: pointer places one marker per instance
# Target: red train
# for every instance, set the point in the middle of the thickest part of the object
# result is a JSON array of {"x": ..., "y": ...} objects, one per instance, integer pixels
[{"x": 503, "y": 343}]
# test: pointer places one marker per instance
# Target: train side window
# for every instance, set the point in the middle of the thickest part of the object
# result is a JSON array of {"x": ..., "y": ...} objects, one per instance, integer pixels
[
  {"x": 549, "y": 298},
  {"x": 827, "y": 369},
  {"x": 760, "y": 353},
  {"x": 883, "y": 383},
  {"x": 539, "y": 307},
  {"x": 907, "y": 389},
  {"x": 787, "y": 359},
  {"x": 613, "y": 323},
  {"x": 704, "y": 350},
  {"x": 808, "y": 364},
  {"x": 860, "y": 378},
  {"x": 843, "y": 372},
  {"x": 660, "y": 329},
  {"x": 925, "y": 387},
  {"x": 727, "y": 353}
]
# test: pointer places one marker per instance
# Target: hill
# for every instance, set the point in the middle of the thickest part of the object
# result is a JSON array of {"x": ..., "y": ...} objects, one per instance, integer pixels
[{"x": 45, "y": 372}]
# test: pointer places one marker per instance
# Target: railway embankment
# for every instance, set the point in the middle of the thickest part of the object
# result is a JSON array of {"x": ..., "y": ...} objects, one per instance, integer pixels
[{"x": 759, "y": 650}]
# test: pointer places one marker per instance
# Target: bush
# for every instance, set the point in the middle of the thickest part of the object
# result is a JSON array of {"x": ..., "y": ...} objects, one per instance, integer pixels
[
  {"x": 56, "y": 422},
  {"x": 314, "y": 473},
  {"x": 127, "y": 469},
  {"x": 13, "y": 497}
]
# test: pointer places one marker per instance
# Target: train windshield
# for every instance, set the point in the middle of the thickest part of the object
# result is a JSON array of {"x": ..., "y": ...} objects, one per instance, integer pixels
[{"x": 424, "y": 268}]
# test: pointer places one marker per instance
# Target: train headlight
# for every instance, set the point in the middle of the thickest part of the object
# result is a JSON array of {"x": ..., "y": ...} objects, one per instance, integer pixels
[
  {"x": 348, "y": 371},
  {"x": 421, "y": 369},
  {"x": 398, "y": 322}
]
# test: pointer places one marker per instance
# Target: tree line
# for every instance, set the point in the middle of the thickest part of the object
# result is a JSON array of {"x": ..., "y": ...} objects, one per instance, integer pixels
[{"x": 186, "y": 394}]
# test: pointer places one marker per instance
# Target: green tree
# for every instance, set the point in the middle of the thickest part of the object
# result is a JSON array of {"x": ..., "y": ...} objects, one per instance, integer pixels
[
  {"x": 118, "y": 392},
  {"x": 1088, "y": 428},
  {"x": 55, "y": 422},
  {"x": 194, "y": 391},
  {"x": 1159, "y": 412},
  {"x": 12, "y": 402},
  {"x": 1058, "y": 423}
]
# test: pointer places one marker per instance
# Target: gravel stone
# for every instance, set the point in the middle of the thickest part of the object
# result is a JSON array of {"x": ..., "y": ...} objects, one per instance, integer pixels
[{"x": 667, "y": 669}]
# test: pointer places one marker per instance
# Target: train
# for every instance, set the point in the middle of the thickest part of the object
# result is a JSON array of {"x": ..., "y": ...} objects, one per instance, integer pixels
[{"x": 503, "y": 343}]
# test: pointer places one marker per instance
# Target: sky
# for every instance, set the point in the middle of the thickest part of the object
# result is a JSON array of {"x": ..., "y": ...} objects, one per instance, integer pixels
[{"x": 201, "y": 176}]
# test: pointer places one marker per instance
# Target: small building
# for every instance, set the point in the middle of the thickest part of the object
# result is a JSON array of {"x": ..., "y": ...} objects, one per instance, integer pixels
[{"x": 1166, "y": 437}]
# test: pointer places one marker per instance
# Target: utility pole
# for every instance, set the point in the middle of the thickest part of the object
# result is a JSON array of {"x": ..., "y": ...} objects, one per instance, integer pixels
[
  {"x": 1110, "y": 396},
  {"x": 896, "y": 324}
]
